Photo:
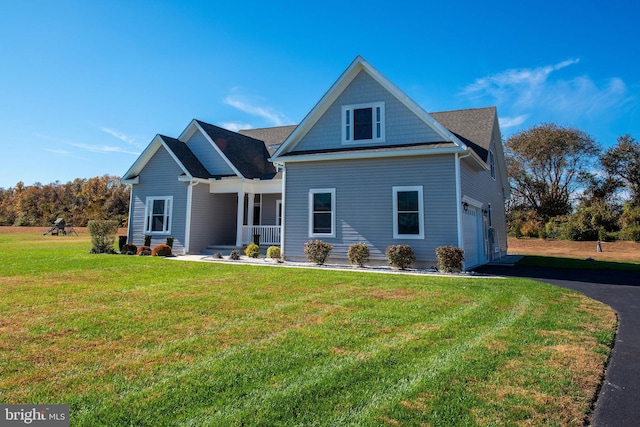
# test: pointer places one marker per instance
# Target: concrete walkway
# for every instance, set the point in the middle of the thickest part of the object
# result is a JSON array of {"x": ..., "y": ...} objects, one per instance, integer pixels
[{"x": 618, "y": 403}]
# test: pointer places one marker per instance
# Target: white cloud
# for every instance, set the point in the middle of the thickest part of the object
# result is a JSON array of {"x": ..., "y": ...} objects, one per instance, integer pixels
[
  {"x": 543, "y": 94},
  {"x": 253, "y": 107},
  {"x": 235, "y": 126},
  {"x": 121, "y": 136},
  {"x": 55, "y": 151},
  {"x": 102, "y": 148},
  {"x": 507, "y": 122}
]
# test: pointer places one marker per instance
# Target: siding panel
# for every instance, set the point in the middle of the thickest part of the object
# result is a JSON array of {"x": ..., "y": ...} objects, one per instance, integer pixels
[
  {"x": 364, "y": 210},
  {"x": 159, "y": 178},
  {"x": 402, "y": 126},
  {"x": 208, "y": 155}
]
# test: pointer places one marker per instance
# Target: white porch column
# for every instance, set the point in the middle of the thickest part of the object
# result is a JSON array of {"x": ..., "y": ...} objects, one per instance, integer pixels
[
  {"x": 240, "y": 219},
  {"x": 250, "y": 208}
]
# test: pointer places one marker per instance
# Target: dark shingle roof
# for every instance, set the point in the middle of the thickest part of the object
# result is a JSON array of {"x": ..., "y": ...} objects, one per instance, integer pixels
[
  {"x": 186, "y": 157},
  {"x": 272, "y": 137},
  {"x": 473, "y": 126},
  {"x": 248, "y": 155}
]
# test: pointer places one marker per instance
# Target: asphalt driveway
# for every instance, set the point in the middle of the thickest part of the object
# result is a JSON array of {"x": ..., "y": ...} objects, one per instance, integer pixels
[{"x": 618, "y": 403}]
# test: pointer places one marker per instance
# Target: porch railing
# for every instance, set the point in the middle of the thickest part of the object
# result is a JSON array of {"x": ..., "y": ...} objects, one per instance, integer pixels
[{"x": 269, "y": 234}]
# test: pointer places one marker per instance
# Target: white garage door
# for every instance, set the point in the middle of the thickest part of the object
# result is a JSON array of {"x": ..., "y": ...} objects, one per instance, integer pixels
[{"x": 471, "y": 236}]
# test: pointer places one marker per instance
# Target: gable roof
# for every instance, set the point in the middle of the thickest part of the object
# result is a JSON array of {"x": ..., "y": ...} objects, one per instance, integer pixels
[
  {"x": 358, "y": 65},
  {"x": 272, "y": 137},
  {"x": 248, "y": 155},
  {"x": 473, "y": 126},
  {"x": 179, "y": 152},
  {"x": 190, "y": 163}
]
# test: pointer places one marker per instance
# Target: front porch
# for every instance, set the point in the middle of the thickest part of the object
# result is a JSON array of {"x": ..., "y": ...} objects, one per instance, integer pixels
[{"x": 267, "y": 234}]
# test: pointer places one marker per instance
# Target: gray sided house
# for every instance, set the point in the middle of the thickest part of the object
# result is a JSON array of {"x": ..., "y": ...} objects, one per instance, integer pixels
[{"x": 367, "y": 164}]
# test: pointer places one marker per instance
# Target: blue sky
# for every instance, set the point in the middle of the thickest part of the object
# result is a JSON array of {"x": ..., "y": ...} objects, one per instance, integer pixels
[{"x": 86, "y": 85}]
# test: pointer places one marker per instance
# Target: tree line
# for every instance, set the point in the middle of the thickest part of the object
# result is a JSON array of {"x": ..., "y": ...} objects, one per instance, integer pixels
[
  {"x": 77, "y": 202},
  {"x": 565, "y": 186}
]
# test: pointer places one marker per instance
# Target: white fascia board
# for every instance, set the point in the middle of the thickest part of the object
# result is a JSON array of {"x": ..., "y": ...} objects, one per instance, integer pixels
[
  {"x": 217, "y": 149},
  {"x": 143, "y": 159},
  {"x": 173, "y": 156},
  {"x": 321, "y": 107},
  {"x": 386, "y": 154},
  {"x": 134, "y": 180},
  {"x": 272, "y": 186},
  {"x": 188, "y": 131}
]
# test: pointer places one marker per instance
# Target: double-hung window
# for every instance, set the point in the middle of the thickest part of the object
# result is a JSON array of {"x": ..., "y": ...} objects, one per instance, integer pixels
[
  {"x": 322, "y": 212},
  {"x": 408, "y": 213},
  {"x": 158, "y": 215},
  {"x": 363, "y": 123}
]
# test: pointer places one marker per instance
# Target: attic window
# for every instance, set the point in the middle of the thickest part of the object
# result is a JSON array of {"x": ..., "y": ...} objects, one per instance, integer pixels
[{"x": 363, "y": 123}]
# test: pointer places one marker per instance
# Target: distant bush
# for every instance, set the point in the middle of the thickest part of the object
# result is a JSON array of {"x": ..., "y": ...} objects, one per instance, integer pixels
[
  {"x": 161, "y": 250},
  {"x": 449, "y": 258},
  {"x": 273, "y": 252},
  {"x": 317, "y": 251},
  {"x": 129, "y": 249},
  {"x": 143, "y": 251},
  {"x": 358, "y": 254},
  {"x": 252, "y": 251},
  {"x": 234, "y": 255},
  {"x": 400, "y": 256},
  {"x": 103, "y": 235}
]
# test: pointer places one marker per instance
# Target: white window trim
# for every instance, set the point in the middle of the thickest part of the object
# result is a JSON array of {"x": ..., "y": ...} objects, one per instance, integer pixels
[
  {"x": 332, "y": 191},
  {"x": 168, "y": 210},
  {"x": 347, "y": 134},
  {"x": 397, "y": 235}
]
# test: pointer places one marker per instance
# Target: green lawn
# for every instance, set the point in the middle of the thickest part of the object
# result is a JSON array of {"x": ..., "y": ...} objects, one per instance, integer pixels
[{"x": 148, "y": 341}]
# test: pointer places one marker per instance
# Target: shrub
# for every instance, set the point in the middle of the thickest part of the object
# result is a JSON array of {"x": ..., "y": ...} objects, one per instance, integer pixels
[
  {"x": 122, "y": 240},
  {"x": 129, "y": 249},
  {"x": 358, "y": 254},
  {"x": 103, "y": 235},
  {"x": 631, "y": 233},
  {"x": 143, "y": 251},
  {"x": 317, "y": 251},
  {"x": 273, "y": 252},
  {"x": 449, "y": 258},
  {"x": 400, "y": 256},
  {"x": 252, "y": 251},
  {"x": 161, "y": 250},
  {"x": 147, "y": 240},
  {"x": 234, "y": 255},
  {"x": 169, "y": 242},
  {"x": 217, "y": 255}
]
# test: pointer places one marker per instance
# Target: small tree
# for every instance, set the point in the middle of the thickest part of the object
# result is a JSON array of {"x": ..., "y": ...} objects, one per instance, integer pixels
[
  {"x": 400, "y": 256},
  {"x": 317, "y": 251},
  {"x": 103, "y": 236},
  {"x": 449, "y": 258},
  {"x": 358, "y": 254}
]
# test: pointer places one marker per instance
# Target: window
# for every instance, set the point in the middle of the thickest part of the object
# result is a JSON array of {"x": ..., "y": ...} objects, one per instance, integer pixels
[
  {"x": 363, "y": 123},
  {"x": 492, "y": 164},
  {"x": 158, "y": 215},
  {"x": 408, "y": 213},
  {"x": 322, "y": 208}
]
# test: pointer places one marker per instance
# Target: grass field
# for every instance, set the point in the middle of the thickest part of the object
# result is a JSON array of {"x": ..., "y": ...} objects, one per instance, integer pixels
[{"x": 149, "y": 341}]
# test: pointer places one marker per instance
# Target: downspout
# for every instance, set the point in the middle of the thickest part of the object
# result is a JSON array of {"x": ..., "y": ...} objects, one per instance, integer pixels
[
  {"x": 283, "y": 216},
  {"x": 130, "y": 220},
  {"x": 187, "y": 230},
  {"x": 458, "y": 159}
]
